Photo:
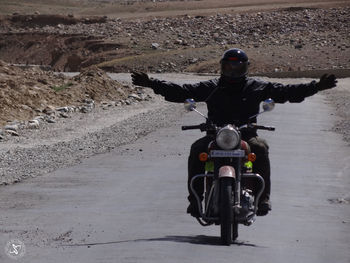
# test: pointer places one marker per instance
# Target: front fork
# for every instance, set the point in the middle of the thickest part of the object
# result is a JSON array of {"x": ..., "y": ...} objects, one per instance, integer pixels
[{"x": 231, "y": 167}]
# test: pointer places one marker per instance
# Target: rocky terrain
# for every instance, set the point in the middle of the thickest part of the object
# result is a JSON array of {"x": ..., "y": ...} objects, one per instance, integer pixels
[
  {"x": 45, "y": 95},
  {"x": 291, "y": 39}
]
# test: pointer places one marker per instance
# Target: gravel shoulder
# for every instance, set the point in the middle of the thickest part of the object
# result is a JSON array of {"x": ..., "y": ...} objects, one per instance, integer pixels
[
  {"x": 70, "y": 140},
  {"x": 339, "y": 98}
]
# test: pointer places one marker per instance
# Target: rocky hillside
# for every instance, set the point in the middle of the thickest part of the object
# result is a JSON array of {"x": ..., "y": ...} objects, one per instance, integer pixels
[
  {"x": 288, "y": 39},
  {"x": 37, "y": 95}
]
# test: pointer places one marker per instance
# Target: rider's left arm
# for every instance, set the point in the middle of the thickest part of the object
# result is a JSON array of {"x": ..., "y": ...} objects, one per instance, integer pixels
[{"x": 297, "y": 92}]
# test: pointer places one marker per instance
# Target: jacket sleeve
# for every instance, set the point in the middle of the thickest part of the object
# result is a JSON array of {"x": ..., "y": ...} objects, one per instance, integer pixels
[
  {"x": 292, "y": 92},
  {"x": 179, "y": 93}
]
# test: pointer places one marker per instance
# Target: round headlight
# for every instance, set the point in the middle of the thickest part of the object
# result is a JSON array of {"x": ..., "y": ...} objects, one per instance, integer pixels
[{"x": 228, "y": 138}]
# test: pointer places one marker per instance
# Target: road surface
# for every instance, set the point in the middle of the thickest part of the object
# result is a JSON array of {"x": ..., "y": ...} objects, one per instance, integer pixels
[{"x": 129, "y": 205}]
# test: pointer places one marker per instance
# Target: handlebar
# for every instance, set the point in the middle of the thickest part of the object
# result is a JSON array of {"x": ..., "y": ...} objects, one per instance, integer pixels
[
  {"x": 191, "y": 127},
  {"x": 207, "y": 127},
  {"x": 202, "y": 127},
  {"x": 268, "y": 128}
]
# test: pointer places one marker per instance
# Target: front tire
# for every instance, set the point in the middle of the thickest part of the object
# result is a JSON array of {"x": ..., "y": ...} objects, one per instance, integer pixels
[{"x": 228, "y": 226}]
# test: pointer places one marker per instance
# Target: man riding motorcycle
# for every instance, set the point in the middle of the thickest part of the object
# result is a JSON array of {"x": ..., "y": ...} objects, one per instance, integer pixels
[{"x": 232, "y": 99}]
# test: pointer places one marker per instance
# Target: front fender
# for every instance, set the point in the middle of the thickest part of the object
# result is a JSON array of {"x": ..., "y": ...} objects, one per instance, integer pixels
[{"x": 227, "y": 171}]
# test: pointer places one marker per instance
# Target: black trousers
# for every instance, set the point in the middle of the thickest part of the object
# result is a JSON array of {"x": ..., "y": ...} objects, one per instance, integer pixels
[{"x": 260, "y": 166}]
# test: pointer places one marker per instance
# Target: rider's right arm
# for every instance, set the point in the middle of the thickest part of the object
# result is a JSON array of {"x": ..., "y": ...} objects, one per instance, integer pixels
[{"x": 179, "y": 93}]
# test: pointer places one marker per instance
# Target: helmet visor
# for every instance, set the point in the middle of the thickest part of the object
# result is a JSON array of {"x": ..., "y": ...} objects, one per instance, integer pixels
[{"x": 234, "y": 69}]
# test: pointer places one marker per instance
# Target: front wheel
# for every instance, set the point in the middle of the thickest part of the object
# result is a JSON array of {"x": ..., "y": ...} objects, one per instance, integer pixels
[{"x": 228, "y": 225}]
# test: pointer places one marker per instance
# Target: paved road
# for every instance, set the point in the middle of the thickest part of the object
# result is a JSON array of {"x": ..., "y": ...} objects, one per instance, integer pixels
[{"x": 129, "y": 205}]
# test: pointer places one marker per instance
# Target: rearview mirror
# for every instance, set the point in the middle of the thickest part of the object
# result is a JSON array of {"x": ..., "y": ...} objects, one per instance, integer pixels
[
  {"x": 190, "y": 105},
  {"x": 268, "y": 105}
]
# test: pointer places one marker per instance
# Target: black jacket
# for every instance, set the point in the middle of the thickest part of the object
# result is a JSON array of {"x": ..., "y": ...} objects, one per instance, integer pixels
[{"x": 233, "y": 103}]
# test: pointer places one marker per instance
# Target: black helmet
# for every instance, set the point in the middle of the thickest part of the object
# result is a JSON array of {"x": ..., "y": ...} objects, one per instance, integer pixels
[{"x": 234, "y": 64}]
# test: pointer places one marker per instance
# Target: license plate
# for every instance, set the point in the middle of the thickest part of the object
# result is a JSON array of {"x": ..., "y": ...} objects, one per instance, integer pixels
[{"x": 223, "y": 154}]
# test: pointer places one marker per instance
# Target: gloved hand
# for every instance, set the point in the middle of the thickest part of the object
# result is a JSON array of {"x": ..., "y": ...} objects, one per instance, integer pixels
[
  {"x": 140, "y": 79},
  {"x": 326, "y": 82}
]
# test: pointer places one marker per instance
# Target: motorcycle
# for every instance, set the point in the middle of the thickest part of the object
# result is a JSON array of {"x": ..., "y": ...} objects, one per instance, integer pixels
[{"x": 228, "y": 201}]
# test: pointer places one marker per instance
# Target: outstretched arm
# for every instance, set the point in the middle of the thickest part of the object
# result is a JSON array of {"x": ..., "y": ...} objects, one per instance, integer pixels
[
  {"x": 298, "y": 92},
  {"x": 173, "y": 92}
]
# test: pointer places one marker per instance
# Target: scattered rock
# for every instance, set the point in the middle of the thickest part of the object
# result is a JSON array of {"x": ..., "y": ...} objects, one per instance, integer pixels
[
  {"x": 63, "y": 115},
  {"x": 39, "y": 118},
  {"x": 49, "y": 110},
  {"x": 107, "y": 104},
  {"x": 11, "y": 132},
  {"x": 12, "y": 127},
  {"x": 135, "y": 96},
  {"x": 340, "y": 200},
  {"x": 25, "y": 107},
  {"x": 62, "y": 109},
  {"x": 85, "y": 109},
  {"x": 51, "y": 120},
  {"x": 33, "y": 124},
  {"x": 155, "y": 45},
  {"x": 89, "y": 101},
  {"x": 2, "y": 135},
  {"x": 193, "y": 60}
]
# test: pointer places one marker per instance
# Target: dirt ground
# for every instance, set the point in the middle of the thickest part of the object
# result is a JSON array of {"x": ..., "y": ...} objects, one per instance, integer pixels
[
  {"x": 149, "y": 8},
  {"x": 175, "y": 36}
]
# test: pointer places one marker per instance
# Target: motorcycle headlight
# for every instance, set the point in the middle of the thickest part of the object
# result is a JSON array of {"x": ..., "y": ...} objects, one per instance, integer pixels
[{"x": 228, "y": 138}]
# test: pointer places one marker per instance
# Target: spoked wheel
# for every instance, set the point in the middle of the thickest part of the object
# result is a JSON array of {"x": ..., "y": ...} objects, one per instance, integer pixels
[{"x": 228, "y": 225}]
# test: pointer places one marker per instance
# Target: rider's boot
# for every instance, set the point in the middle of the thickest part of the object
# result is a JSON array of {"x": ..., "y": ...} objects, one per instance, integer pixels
[
  {"x": 262, "y": 166},
  {"x": 264, "y": 207},
  {"x": 195, "y": 166},
  {"x": 193, "y": 209}
]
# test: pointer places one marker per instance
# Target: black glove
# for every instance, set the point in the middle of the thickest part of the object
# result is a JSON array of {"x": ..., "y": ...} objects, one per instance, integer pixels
[
  {"x": 326, "y": 82},
  {"x": 140, "y": 79}
]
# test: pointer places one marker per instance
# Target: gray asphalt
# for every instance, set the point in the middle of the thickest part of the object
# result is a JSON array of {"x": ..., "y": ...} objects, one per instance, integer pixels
[{"x": 129, "y": 205}]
